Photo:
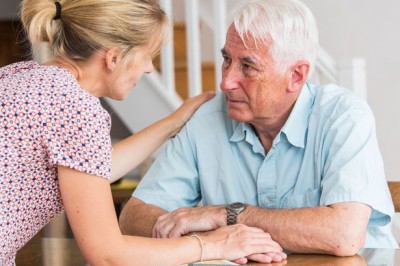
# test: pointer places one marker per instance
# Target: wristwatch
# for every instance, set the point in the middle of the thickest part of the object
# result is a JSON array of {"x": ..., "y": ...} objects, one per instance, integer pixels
[{"x": 233, "y": 210}]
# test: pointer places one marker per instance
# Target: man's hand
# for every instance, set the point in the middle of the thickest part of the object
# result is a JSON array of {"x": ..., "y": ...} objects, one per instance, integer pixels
[{"x": 185, "y": 220}]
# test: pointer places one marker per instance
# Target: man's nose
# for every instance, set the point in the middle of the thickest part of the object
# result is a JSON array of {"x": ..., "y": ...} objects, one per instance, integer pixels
[{"x": 230, "y": 78}]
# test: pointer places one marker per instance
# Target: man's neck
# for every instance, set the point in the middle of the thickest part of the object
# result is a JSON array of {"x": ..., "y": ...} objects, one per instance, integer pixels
[{"x": 267, "y": 129}]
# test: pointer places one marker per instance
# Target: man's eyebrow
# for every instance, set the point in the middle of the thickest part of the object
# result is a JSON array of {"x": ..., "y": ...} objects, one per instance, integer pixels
[
  {"x": 246, "y": 59},
  {"x": 249, "y": 60}
]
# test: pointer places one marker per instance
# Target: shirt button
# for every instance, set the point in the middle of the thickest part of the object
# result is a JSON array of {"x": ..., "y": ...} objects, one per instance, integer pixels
[{"x": 266, "y": 200}]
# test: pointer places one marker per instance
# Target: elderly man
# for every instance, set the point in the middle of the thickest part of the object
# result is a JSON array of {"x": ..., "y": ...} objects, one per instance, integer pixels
[{"x": 272, "y": 151}]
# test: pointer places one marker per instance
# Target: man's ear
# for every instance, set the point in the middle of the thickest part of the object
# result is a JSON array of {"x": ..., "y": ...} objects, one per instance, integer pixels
[
  {"x": 112, "y": 59},
  {"x": 299, "y": 75}
]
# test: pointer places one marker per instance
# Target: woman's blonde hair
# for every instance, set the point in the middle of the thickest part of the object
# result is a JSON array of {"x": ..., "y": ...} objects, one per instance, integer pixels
[{"x": 87, "y": 26}]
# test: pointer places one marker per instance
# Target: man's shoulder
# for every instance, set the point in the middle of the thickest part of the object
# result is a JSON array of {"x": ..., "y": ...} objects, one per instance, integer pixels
[{"x": 332, "y": 100}]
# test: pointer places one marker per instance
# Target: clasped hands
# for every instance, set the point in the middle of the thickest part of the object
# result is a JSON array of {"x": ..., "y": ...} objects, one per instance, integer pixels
[{"x": 200, "y": 220}]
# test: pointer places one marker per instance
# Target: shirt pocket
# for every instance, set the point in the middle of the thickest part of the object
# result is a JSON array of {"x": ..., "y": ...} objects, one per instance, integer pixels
[{"x": 309, "y": 198}]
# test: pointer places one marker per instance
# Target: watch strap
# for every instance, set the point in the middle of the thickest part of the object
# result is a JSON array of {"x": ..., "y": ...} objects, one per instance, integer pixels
[{"x": 233, "y": 210}]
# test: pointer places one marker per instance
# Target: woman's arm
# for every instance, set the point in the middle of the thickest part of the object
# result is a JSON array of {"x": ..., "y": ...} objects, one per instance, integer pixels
[
  {"x": 130, "y": 152},
  {"x": 88, "y": 203}
]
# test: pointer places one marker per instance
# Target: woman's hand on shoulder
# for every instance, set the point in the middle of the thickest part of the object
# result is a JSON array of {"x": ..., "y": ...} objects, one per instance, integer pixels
[{"x": 189, "y": 106}]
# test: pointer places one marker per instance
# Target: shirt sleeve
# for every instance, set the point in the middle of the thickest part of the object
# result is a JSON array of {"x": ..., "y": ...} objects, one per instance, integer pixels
[
  {"x": 354, "y": 167},
  {"x": 77, "y": 135},
  {"x": 172, "y": 181}
]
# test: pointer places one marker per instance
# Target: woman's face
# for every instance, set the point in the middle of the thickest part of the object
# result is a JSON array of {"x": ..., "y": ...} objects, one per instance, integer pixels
[{"x": 129, "y": 70}]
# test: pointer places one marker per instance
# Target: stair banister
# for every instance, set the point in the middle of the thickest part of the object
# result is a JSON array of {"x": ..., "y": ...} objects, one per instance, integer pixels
[
  {"x": 326, "y": 66},
  {"x": 167, "y": 54},
  {"x": 219, "y": 37},
  {"x": 193, "y": 47},
  {"x": 352, "y": 74}
]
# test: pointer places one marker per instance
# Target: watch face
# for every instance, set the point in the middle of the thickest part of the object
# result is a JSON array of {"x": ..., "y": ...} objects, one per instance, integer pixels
[{"x": 237, "y": 205}]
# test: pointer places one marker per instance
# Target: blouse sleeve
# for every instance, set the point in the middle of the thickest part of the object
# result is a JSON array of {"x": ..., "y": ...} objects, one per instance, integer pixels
[{"x": 77, "y": 134}]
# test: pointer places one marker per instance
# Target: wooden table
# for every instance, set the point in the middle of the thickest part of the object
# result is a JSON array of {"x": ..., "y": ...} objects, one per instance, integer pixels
[{"x": 64, "y": 252}]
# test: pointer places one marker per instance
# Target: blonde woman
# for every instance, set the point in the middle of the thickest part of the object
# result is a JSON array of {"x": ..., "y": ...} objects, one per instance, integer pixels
[{"x": 56, "y": 152}]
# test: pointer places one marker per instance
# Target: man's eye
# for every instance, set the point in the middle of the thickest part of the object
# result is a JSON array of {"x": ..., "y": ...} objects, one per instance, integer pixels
[
  {"x": 245, "y": 66},
  {"x": 249, "y": 70},
  {"x": 226, "y": 62}
]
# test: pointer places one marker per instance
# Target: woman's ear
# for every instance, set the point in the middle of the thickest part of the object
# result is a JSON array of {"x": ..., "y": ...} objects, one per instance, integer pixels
[
  {"x": 112, "y": 59},
  {"x": 299, "y": 75}
]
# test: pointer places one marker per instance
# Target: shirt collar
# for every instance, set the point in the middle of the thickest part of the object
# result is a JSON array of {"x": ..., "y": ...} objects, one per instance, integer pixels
[
  {"x": 239, "y": 131},
  {"x": 295, "y": 127},
  {"x": 243, "y": 131}
]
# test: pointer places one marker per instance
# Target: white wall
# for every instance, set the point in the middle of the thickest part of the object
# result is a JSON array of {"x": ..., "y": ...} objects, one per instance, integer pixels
[{"x": 369, "y": 29}]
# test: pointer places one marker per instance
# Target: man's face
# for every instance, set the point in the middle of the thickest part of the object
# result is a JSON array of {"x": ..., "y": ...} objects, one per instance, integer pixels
[{"x": 254, "y": 89}]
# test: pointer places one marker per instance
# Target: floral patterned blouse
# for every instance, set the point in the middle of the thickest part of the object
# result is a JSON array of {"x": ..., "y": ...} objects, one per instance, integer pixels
[{"x": 46, "y": 120}]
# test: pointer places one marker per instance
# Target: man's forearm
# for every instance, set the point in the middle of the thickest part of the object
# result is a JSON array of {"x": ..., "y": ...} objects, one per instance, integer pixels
[
  {"x": 138, "y": 218},
  {"x": 338, "y": 230}
]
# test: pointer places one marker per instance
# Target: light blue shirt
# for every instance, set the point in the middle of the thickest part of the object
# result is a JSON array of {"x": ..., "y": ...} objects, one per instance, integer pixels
[{"x": 327, "y": 152}]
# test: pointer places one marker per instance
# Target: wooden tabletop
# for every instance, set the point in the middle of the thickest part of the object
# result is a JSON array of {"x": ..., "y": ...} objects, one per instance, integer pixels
[{"x": 64, "y": 251}]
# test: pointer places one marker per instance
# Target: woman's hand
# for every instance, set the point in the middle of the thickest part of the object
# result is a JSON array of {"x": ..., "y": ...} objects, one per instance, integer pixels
[
  {"x": 239, "y": 242},
  {"x": 186, "y": 110},
  {"x": 143, "y": 143}
]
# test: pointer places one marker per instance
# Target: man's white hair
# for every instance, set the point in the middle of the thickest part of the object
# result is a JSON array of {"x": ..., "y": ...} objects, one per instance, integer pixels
[{"x": 287, "y": 26}]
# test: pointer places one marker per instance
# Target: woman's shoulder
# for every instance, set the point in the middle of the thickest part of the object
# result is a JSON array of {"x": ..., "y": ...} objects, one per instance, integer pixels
[{"x": 15, "y": 68}]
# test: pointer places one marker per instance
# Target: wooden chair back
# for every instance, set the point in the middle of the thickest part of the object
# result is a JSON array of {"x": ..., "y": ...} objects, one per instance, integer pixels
[{"x": 394, "y": 187}]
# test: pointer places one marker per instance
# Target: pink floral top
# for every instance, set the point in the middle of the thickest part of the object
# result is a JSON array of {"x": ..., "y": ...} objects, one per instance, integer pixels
[{"x": 46, "y": 120}]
